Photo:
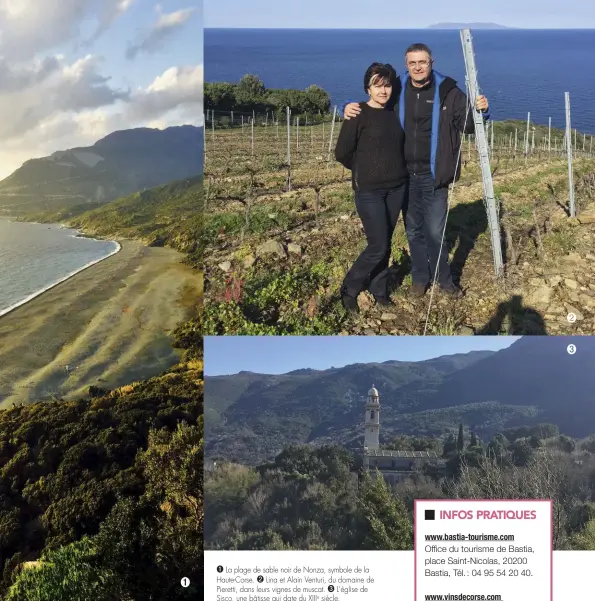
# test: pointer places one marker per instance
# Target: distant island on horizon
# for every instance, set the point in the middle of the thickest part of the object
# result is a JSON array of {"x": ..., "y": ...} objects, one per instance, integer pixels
[
  {"x": 438, "y": 26},
  {"x": 468, "y": 26}
]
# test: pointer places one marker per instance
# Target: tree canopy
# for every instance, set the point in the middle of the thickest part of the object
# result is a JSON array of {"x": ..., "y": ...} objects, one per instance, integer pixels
[
  {"x": 250, "y": 95},
  {"x": 320, "y": 497}
]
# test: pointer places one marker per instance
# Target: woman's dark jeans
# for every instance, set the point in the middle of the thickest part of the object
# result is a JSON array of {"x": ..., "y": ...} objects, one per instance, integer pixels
[{"x": 379, "y": 211}]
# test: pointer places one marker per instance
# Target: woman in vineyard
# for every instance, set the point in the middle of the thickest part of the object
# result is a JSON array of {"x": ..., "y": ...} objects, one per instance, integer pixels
[{"x": 371, "y": 145}]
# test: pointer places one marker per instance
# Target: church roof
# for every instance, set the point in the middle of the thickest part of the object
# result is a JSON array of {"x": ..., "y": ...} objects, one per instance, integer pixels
[
  {"x": 402, "y": 454},
  {"x": 373, "y": 392}
]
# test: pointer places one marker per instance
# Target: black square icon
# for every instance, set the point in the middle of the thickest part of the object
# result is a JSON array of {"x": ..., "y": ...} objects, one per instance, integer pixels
[{"x": 430, "y": 514}]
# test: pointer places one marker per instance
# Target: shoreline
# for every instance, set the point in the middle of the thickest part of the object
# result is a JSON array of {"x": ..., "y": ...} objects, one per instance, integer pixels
[
  {"x": 108, "y": 326},
  {"x": 28, "y": 299}
]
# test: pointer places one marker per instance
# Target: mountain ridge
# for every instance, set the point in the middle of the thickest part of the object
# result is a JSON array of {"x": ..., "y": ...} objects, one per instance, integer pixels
[
  {"x": 387, "y": 362},
  {"x": 121, "y": 163},
  {"x": 252, "y": 417}
]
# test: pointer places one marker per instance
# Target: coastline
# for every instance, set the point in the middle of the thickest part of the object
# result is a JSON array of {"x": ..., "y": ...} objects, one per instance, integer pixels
[
  {"x": 29, "y": 298},
  {"x": 107, "y": 325}
]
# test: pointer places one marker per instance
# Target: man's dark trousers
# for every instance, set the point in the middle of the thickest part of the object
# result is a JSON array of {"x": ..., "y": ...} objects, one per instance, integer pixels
[
  {"x": 425, "y": 217},
  {"x": 379, "y": 211}
]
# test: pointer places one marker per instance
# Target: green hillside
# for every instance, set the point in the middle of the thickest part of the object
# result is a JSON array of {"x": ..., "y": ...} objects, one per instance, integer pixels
[
  {"x": 102, "y": 497},
  {"x": 112, "y": 483},
  {"x": 252, "y": 417},
  {"x": 118, "y": 164},
  {"x": 167, "y": 215}
]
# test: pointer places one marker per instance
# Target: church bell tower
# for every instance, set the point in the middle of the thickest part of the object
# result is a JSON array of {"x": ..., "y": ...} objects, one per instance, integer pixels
[{"x": 372, "y": 421}]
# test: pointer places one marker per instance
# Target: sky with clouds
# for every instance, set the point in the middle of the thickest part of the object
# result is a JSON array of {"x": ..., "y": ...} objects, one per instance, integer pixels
[{"x": 72, "y": 71}]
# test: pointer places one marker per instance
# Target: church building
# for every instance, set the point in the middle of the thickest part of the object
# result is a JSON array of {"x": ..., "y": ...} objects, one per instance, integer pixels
[{"x": 395, "y": 466}]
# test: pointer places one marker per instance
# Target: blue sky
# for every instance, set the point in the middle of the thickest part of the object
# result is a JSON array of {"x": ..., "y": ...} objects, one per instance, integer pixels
[
  {"x": 183, "y": 47},
  {"x": 346, "y": 14},
  {"x": 281, "y": 354},
  {"x": 72, "y": 71}
]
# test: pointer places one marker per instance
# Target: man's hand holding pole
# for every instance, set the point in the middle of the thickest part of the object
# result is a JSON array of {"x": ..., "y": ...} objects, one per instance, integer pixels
[{"x": 481, "y": 104}]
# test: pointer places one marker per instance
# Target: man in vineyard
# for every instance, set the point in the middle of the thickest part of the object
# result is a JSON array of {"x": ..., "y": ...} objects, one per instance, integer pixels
[{"x": 433, "y": 112}]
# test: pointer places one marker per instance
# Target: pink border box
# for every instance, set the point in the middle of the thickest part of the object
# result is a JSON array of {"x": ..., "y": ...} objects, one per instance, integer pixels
[{"x": 483, "y": 501}]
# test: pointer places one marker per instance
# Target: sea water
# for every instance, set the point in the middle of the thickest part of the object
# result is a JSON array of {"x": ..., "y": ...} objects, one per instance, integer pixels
[
  {"x": 35, "y": 257},
  {"x": 520, "y": 71}
]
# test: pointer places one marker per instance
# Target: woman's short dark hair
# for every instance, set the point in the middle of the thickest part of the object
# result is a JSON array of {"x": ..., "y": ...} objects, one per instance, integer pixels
[{"x": 381, "y": 71}]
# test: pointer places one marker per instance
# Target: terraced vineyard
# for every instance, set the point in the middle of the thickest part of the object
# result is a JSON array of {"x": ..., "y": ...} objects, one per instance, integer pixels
[{"x": 278, "y": 240}]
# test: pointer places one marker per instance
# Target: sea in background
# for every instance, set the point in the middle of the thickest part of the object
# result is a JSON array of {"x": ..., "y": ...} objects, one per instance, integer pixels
[
  {"x": 35, "y": 257},
  {"x": 518, "y": 70}
]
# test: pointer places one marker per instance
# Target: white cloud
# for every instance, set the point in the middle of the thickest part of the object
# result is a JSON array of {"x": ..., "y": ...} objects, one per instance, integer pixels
[
  {"x": 78, "y": 89},
  {"x": 28, "y": 27},
  {"x": 174, "y": 97},
  {"x": 92, "y": 125},
  {"x": 166, "y": 25},
  {"x": 17, "y": 78},
  {"x": 158, "y": 124},
  {"x": 53, "y": 101},
  {"x": 79, "y": 108},
  {"x": 36, "y": 96},
  {"x": 178, "y": 87},
  {"x": 81, "y": 87}
]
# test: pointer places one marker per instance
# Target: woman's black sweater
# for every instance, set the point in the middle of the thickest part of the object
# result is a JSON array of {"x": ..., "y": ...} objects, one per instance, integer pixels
[{"x": 372, "y": 146}]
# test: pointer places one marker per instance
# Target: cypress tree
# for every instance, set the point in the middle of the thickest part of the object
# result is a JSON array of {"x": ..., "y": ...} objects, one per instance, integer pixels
[{"x": 384, "y": 520}]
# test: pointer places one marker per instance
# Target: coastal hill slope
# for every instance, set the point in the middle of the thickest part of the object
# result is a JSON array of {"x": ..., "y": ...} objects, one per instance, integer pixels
[
  {"x": 533, "y": 381},
  {"x": 119, "y": 164},
  {"x": 118, "y": 485},
  {"x": 167, "y": 215},
  {"x": 117, "y": 473},
  {"x": 110, "y": 324}
]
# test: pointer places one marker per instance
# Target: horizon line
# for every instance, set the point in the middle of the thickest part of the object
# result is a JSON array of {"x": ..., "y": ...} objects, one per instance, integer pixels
[
  {"x": 427, "y": 28},
  {"x": 258, "y": 373}
]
